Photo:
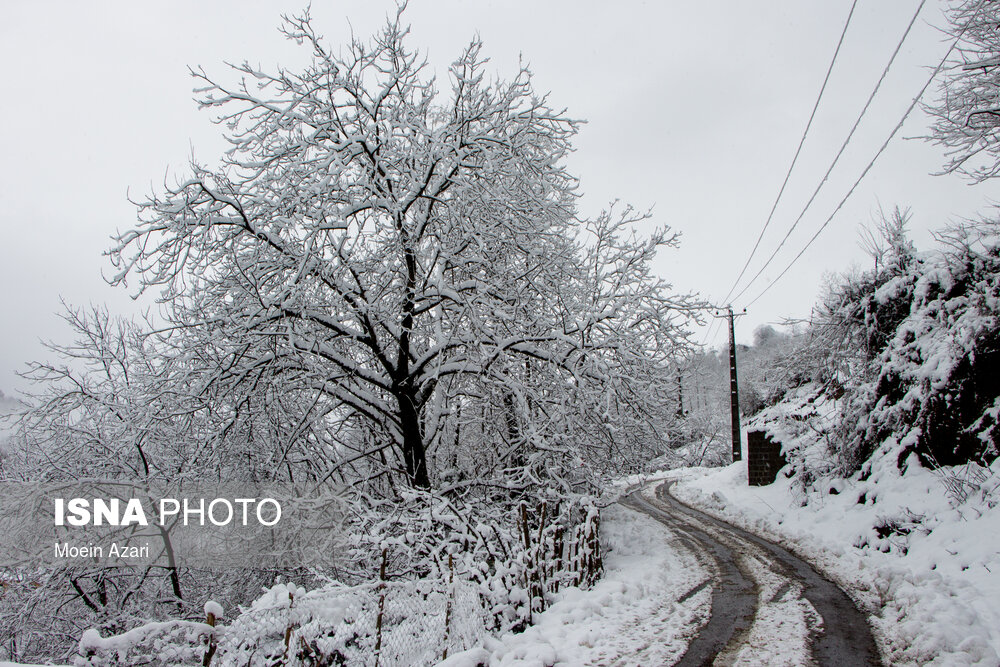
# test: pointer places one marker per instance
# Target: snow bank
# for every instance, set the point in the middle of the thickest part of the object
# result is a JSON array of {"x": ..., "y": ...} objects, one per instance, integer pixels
[
  {"x": 632, "y": 613},
  {"x": 927, "y": 570}
]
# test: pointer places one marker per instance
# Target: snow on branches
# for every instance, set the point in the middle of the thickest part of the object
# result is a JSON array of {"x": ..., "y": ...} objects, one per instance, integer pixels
[
  {"x": 382, "y": 293},
  {"x": 967, "y": 112},
  {"x": 401, "y": 255}
]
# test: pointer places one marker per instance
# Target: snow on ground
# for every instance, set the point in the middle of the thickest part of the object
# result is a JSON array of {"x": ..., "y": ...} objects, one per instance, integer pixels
[
  {"x": 632, "y": 616},
  {"x": 783, "y": 624},
  {"x": 784, "y": 620},
  {"x": 928, "y": 571}
]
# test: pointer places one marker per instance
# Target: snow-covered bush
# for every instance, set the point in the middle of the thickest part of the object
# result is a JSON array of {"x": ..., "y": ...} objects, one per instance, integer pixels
[
  {"x": 403, "y": 623},
  {"x": 933, "y": 386},
  {"x": 900, "y": 358},
  {"x": 519, "y": 551},
  {"x": 449, "y": 574}
]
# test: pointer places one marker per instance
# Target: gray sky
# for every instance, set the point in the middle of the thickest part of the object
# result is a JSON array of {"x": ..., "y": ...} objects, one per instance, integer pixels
[{"x": 694, "y": 109}]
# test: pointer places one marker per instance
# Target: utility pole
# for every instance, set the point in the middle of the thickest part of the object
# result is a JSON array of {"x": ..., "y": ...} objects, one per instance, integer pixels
[
  {"x": 680, "y": 396},
  {"x": 734, "y": 395}
]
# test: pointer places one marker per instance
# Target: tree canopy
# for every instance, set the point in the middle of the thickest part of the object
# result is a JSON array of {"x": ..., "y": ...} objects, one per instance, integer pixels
[
  {"x": 967, "y": 115},
  {"x": 402, "y": 256}
]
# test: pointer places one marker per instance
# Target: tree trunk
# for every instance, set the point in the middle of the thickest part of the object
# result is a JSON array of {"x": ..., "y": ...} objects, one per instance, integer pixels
[
  {"x": 517, "y": 460},
  {"x": 413, "y": 443}
]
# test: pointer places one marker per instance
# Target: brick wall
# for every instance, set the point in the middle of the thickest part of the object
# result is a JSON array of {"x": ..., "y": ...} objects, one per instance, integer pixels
[{"x": 764, "y": 458}]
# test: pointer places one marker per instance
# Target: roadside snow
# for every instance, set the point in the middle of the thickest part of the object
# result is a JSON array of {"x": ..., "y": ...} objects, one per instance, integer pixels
[
  {"x": 927, "y": 571},
  {"x": 632, "y": 616},
  {"x": 783, "y": 621}
]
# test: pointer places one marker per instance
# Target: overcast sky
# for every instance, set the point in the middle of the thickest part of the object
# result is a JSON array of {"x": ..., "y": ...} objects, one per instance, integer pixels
[{"x": 693, "y": 109}]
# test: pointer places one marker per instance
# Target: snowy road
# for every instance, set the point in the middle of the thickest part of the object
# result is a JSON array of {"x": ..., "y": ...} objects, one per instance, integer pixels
[{"x": 768, "y": 606}]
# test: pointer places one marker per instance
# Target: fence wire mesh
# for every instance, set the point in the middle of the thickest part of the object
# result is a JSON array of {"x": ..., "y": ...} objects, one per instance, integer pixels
[
  {"x": 380, "y": 623},
  {"x": 392, "y": 624}
]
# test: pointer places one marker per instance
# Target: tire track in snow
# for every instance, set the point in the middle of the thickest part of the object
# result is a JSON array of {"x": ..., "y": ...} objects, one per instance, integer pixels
[
  {"x": 768, "y": 605},
  {"x": 734, "y": 594},
  {"x": 658, "y": 637}
]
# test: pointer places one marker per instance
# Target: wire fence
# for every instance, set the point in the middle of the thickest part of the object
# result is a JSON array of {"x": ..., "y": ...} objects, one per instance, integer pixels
[
  {"x": 387, "y": 624},
  {"x": 382, "y": 623}
]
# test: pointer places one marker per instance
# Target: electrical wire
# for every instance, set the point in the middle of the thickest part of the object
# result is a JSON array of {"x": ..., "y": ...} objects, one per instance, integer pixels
[
  {"x": 871, "y": 163},
  {"x": 708, "y": 333},
  {"x": 798, "y": 150},
  {"x": 840, "y": 152}
]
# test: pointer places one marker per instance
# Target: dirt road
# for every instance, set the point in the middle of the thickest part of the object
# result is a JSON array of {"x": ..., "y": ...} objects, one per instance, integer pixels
[{"x": 768, "y": 605}]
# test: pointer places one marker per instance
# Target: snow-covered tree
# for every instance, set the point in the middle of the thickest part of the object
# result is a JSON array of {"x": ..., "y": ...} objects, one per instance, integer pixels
[
  {"x": 384, "y": 283},
  {"x": 395, "y": 254},
  {"x": 967, "y": 111},
  {"x": 114, "y": 413}
]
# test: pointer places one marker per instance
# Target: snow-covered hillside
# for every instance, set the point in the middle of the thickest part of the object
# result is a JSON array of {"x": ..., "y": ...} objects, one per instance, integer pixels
[{"x": 918, "y": 548}]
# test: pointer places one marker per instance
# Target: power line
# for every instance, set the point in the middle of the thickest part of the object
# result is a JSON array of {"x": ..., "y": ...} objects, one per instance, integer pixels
[
  {"x": 798, "y": 150},
  {"x": 892, "y": 134},
  {"x": 708, "y": 333},
  {"x": 840, "y": 152}
]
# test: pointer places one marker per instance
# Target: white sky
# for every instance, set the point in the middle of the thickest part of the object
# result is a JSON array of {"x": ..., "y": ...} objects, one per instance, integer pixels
[{"x": 694, "y": 109}]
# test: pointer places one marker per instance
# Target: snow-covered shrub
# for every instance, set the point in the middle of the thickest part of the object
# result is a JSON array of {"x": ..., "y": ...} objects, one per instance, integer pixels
[
  {"x": 518, "y": 551},
  {"x": 901, "y": 359},
  {"x": 395, "y": 623},
  {"x": 448, "y": 572},
  {"x": 934, "y": 387}
]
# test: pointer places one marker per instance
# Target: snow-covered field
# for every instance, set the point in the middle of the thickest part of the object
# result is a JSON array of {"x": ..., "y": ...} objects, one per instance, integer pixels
[{"x": 928, "y": 571}]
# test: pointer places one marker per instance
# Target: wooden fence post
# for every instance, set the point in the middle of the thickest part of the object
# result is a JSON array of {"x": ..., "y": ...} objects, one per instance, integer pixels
[
  {"x": 212, "y": 643},
  {"x": 557, "y": 548},
  {"x": 288, "y": 630},
  {"x": 447, "y": 609},
  {"x": 381, "y": 607}
]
